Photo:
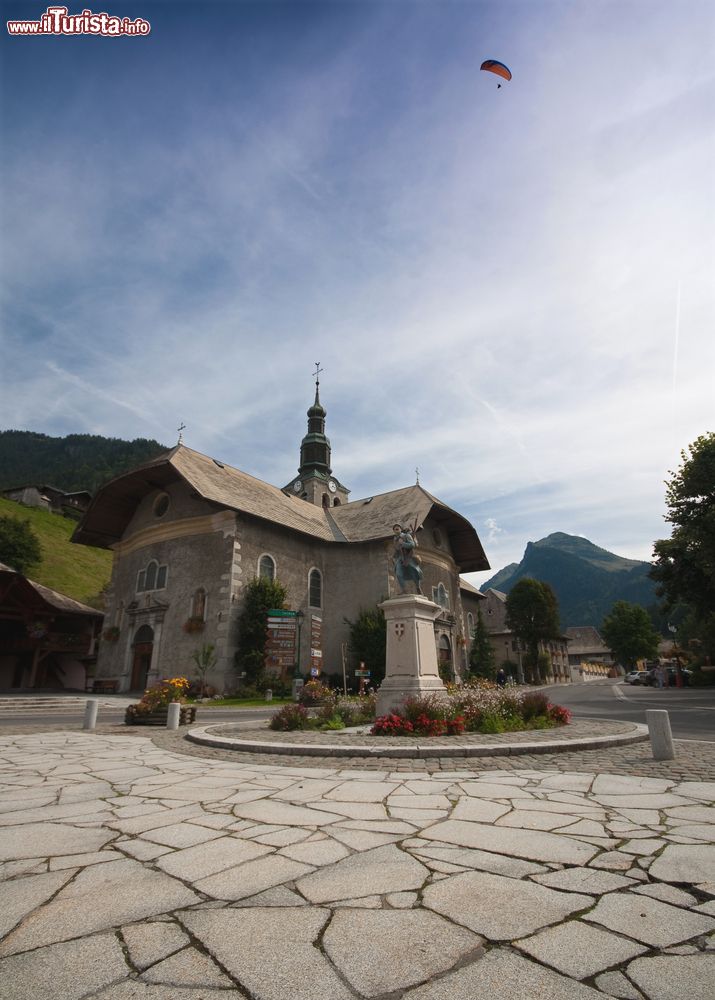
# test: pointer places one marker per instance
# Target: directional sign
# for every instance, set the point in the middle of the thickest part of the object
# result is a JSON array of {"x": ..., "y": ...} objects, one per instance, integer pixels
[{"x": 362, "y": 673}]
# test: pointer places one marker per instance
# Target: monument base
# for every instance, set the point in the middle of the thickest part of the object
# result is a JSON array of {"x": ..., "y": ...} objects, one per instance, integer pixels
[{"x": 411, "y": 666}]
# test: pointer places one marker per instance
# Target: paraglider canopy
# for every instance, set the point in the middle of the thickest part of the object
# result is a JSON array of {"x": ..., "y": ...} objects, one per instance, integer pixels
[{"x": 493, "y": 66}]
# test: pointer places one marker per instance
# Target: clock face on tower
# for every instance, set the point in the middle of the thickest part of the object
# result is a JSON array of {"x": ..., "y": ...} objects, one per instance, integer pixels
[
  {"x": 297, "y": 486},
  {"x": 332, "y": 485}
]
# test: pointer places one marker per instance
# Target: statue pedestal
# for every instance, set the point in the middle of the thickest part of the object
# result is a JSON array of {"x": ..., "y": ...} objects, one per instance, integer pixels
[{"x": 411, "y": 667}]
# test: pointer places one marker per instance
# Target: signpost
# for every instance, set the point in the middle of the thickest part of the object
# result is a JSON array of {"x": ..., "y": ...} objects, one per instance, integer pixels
[
  {"x": 280, "y": 640},
  {"x": 316, "y": 644}
]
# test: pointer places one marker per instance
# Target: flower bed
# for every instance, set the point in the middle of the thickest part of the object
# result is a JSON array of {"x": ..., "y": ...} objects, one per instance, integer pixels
[
  {"x": 153, "y": 708},
  {"x": 476, "y": 707},
  {"x": 335, "y": 712}
]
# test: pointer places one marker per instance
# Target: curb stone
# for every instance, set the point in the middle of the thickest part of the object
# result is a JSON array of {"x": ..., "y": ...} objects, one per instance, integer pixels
[{"x": 205, "y": 737}]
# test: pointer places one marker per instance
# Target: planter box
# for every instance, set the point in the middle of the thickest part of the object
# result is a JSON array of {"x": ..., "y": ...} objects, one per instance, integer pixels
[{"x": 187, "y": 715}]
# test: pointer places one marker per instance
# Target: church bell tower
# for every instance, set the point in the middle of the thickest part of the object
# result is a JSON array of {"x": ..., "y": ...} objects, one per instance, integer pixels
[{"x": 315, "y": 482}]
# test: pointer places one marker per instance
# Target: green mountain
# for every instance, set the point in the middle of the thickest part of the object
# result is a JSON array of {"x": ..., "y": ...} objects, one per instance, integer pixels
[
  {"x": 75, "y": 462},
  {"x": 586, "y": 579}
]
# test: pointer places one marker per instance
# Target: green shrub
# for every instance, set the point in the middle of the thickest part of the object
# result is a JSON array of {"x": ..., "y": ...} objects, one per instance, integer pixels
[
  {"x": 290, "y": 717},
  {"x": 533, "y": 704}
]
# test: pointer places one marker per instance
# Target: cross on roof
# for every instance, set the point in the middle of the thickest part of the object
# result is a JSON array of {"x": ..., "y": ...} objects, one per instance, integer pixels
[
  {"x": 318, "y": 371},
  {"x": 180, "y": 428}
]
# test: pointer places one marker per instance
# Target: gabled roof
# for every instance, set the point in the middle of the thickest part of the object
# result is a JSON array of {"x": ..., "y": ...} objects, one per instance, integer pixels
[
  {"x": 584, "y": 637},
  {"x": 467, "y": 587},
  {"x": 358, "y": 521},
  {"x": 53, "y": 598}
]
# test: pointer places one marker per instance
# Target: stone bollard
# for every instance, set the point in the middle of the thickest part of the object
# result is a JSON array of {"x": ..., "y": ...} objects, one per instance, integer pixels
[
  {"x": 269, "y": 695},
  {"x": 173, "y": 715},
  {"x": 91, "y": 707},
  {"x": 661, "y": 738}
]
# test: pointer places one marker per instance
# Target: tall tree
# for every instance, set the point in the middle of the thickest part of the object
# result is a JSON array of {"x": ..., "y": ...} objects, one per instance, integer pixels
[
  {"x": 629, "y": 634},
  {"x": 368, "y": 642},
  {"x": 685, "y": 563},
  {"x": 532, "y": 613},
  {"x": 19, "y": 545},
  {"x": 481, "y": 654},
  {"x": 260, "y": 596}
]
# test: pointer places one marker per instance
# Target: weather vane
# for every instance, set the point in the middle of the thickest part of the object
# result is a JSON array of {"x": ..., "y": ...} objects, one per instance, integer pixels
[{"x": 180, "y": 428}]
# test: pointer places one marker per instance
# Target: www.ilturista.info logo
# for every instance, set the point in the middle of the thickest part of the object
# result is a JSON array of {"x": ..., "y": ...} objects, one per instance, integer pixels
[{"x": 56, "y": 21}]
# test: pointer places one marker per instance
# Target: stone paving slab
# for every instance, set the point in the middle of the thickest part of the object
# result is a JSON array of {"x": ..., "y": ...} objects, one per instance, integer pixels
[{"x": 209, "y": 873}]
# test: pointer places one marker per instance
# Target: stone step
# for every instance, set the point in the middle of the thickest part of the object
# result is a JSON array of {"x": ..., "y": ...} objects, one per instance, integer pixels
[{"x": 47, "y": 703}]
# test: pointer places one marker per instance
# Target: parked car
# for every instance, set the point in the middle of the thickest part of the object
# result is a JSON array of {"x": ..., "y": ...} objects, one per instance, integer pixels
[
  {"x": 651, "y": 678},
  {"x": 633, "y": 677}
]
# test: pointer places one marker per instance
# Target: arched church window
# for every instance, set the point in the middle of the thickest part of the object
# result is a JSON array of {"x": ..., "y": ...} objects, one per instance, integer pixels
[
  {"x": 315, "y": 589},
  {"x": 198, "y": 604},
  {"x": 440, "y": 595},
  {"x": 152, "y": 577},
  {"x": 336, "y": 502},
  {"x": 267, "y": 567},
  {"x": 445, "y": 649}
]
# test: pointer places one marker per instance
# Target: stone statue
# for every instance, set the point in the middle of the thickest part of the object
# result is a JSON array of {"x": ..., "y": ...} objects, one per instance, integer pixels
[{"x": 407, "y": 563}]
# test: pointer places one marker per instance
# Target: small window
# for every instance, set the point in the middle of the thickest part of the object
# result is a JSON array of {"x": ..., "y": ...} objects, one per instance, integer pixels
[
  {"x": 315, "y": 589},
  {"x": 161, "y": 505},
  {"x": 470, "y": 625},
  {"x": 267, "y": 567}
]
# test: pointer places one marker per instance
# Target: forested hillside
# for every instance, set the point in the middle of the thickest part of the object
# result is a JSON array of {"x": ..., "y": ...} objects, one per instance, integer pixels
[{"x": 75, "y": 462}]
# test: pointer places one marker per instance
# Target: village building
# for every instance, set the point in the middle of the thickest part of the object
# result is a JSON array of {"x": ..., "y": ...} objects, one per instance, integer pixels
[
  {"x": 49, "y": 498},
  {"x": 47, "y": 639},
  {"x": 188, "y": 532},
  {"x": 587, "y": 646},
  {"x": 508, "y": 650}
]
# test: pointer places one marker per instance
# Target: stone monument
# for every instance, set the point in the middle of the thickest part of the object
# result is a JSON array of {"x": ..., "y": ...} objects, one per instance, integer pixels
[{"x": 411, "y": 662}]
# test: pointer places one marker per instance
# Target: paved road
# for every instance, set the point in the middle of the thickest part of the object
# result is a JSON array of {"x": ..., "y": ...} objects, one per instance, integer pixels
[
  {"x": 692, "y": 710},
  {"x": 114, "y": 716}
]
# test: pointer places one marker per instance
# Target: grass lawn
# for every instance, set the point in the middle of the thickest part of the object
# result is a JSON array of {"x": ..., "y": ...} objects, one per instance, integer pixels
[{"x": 78, "y": 571}]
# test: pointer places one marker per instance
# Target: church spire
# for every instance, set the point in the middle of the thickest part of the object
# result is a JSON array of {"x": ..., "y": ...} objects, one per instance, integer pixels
[
  {"x": 315, "y": 482},
  {"x": 315, "y": 447}
]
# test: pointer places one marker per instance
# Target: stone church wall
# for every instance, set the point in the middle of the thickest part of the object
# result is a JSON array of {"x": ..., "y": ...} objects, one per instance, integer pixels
[{"x": 196, "y": 545}]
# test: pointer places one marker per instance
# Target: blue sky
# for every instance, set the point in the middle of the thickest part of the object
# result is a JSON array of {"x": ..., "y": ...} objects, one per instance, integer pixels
[{"x": 512, "y": 289}]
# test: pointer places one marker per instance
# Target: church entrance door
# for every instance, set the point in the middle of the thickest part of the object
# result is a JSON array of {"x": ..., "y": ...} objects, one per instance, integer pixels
[{"x": 141, "y": 665}]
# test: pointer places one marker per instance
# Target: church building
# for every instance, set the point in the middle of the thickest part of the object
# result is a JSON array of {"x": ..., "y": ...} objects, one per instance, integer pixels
[{"x": 188, "y": 532}]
